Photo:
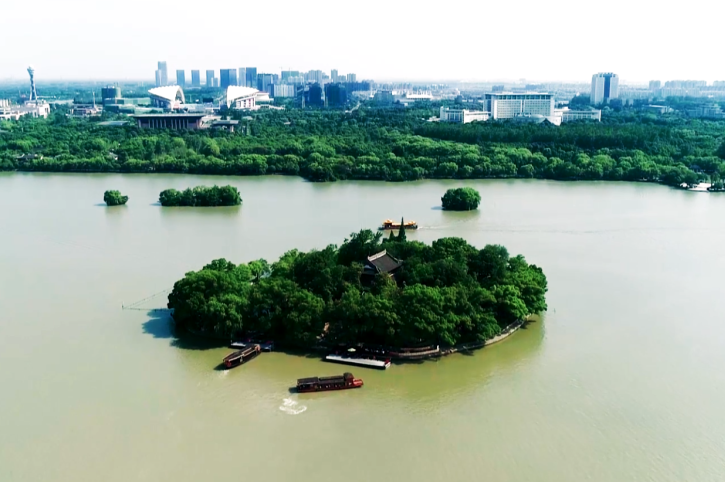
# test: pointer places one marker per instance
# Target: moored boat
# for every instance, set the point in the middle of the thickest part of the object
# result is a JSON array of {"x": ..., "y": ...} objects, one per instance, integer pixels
[
  {"x": 369, "y": 362},
  {"x": 390, "y": 224},
  {"x": 323, "y": 384},
  {"x": 241, "y": 356}
]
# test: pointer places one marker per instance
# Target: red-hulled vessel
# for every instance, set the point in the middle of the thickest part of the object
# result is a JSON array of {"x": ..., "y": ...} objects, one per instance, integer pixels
[
  {"x": 241, "y": 356},
  {"x": 323, "y": 384}
]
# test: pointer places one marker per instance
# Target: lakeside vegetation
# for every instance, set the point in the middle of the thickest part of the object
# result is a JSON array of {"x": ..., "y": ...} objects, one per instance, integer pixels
[
  {"x": 201, "y": 196},
  {"x": 445, "y": 293},
  {"x": 461, "y": 199},
  {"x": 114, "y": 198},
  {"x": 380, "y": 144}
]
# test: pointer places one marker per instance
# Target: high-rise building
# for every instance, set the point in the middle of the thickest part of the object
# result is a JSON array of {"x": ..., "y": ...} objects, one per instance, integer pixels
[
  {"x": 251, "y": 77},
  {"x": 195, "y": 78},
  {"x": 335, "y": 95},
  {"x": 314, "y": 76},
  {"x": 333, "y": 75},
  {"x": 507, "y": 105},
  {"x": 605, "y": 87},
  {"x": 227, "y": 77},
  {"x": 209, "y": 78},
  {"x": 242, "y": 77},
  {"x": 655, "y": 84},
  {"x": 287, "y": 74},
  {"x": 314, "y": 95},
  {"x": 158, "y": 78},
  {"x": 163, "y": 74},
  {"x": 215, "y": 82},
  {"x": 181, "y": 78},
  {"x": 351, "y": 78},
  {"x": 283, "y": 90},
  {"x": 265, "y": 82}
]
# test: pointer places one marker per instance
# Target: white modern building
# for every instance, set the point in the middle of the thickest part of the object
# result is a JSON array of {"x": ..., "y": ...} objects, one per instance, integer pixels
[
  {"x": 605, "y": 87},
  {"x": 283, "y": 90},
  {"x": 239, "y": 97},
  {"x": 575, "y": 115},
  {"x": 508, "y": 105},
  {"x": 462, "y": 116},
  {"x": 169, "y": 97}
]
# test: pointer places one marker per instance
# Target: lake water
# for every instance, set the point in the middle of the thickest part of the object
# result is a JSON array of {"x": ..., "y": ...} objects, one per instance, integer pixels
[{"x": 622, "y": 380}]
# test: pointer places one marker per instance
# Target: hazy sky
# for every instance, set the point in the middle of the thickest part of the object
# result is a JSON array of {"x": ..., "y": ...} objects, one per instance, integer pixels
[{"x": 392, "y": 39}]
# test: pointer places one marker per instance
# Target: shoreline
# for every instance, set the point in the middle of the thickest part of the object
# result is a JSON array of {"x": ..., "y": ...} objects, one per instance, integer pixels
[{"x": 399, "y": 356}]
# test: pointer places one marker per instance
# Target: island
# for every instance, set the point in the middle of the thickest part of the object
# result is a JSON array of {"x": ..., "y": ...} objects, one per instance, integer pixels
[
  {"x": 392, "y": 292},
  {"x": 461, "y": 199},
  {"x": 114, "y": 198},
  {"x": 201, "y": 196}
]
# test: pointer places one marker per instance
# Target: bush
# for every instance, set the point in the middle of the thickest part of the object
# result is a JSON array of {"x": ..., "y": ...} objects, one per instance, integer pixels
[
  {"x": 114, "y": 198},
  {"x": 201, "y": 196},
  {"x": 461, "y": 199}
]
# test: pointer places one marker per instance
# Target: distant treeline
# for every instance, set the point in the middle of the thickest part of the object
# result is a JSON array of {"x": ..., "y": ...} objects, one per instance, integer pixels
[{"x": 380, "y": 144}]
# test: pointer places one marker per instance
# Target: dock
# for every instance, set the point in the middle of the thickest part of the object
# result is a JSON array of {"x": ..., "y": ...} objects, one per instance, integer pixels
[{"x": 360, "y": 362}]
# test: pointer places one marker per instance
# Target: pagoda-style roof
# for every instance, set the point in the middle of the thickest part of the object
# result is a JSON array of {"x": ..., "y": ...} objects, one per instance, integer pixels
[{"x": 381, "y": 262}]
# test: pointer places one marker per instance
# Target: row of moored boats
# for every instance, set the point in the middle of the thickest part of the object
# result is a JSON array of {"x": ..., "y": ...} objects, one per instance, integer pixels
[{"x": 249, "y": 351}]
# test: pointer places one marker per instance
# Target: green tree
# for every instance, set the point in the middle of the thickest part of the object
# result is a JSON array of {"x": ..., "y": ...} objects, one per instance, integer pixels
[
  {"x": 114, "y": 198},
  {"x": 461, "y": 199}
]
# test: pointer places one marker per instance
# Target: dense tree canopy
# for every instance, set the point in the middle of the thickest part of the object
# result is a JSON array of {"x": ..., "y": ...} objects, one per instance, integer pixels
[
  {"x": 114, "y": 198},
  {"x": 201, "y": 196},
  {"x": 461, "y": 199},
  {"x": 445, "y": 293},
  {"x": 379, "y": 144}
]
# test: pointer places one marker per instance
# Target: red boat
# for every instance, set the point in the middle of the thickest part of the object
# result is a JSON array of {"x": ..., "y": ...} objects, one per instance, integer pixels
[
  {"x": 323, "y": 384},
  {"x": 242, "y": 356}
]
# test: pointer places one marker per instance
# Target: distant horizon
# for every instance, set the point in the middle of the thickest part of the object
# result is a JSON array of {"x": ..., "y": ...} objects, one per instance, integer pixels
[{"x": 39, "y": 79}]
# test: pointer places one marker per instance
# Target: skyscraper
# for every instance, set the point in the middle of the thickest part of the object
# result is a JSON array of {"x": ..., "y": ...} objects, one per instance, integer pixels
[
  {"x": 333, "y": 75},
  {"x": 265, "y": 82},
  {"x": 227, "y": 77},
  {"x": 286, "y": 74},
  {"x": 181, "y": 78},
  {"x": 209, "y": 78},
  {"x": 335, "y": 95},
  {"x": 351, "y": 78},
  {"x": 605, "y": 87},
  {"x": 163, "y": 74},
  {"x": 251, "y": 80},
  {"x": 195, "y": 78},
  {"x": 242, "y": 77}
]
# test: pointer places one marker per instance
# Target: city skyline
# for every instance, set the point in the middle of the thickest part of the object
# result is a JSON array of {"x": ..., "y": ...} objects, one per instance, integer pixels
[{"x": 533, "y": 50}]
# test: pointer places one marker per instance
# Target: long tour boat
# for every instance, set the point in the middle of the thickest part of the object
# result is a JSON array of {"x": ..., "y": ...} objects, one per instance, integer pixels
[
  {"x": 242, "y": 356},
  {"x": 390, "y": 224},
  {"x": 323, "y": 384}
]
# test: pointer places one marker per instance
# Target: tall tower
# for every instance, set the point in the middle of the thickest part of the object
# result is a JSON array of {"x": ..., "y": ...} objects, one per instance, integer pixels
[{"x": 33, "y": 92}]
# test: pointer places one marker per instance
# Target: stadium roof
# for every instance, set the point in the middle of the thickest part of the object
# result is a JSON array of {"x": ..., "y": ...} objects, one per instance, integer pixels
[
  {"x": 168, "y": 93},
  {"x": 235, "y": 92}
]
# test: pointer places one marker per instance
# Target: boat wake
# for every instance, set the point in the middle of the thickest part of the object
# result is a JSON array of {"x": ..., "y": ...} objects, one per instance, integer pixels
[{"x": 291, "y": 407}]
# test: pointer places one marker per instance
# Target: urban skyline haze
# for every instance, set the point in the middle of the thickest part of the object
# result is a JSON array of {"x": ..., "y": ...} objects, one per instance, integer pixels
[{"x": 547, "y": 42}]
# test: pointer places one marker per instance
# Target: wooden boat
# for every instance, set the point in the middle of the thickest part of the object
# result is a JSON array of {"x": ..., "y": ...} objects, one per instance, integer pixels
[
  {"x": 323, "y": 384},
  {"x": 390, "y": 224},
  {"x": 241, "y": 356}
]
